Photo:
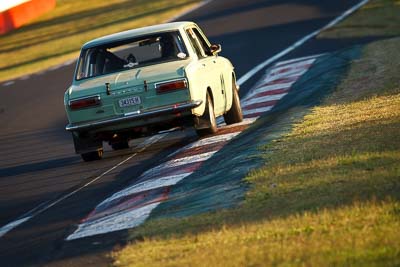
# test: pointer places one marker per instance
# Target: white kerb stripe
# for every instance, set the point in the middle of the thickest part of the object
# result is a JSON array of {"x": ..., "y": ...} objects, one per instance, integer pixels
[
  {"x": 256, "y": 110},
  {"x": 178, "y": 162},
  {"x": 286, "y": 75},
  {"x": 145, "y": 186},
  {"x": 268, "y": 88},
  {"x": 286, "y": 62},
  {"x": 158, "y": 181},
  {"x": 262, "y": 99},
  {"x": 206, "y": 142},
  {"x": 293, "y": 74},
  {"x": 295, "y": 66},
  {"x": 119, "y": 221}
]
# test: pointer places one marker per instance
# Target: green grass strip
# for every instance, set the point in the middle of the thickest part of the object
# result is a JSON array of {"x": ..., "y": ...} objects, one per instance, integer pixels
[
  {"x": 327, "y": 195},
  {"x": 378, "y": 18}
]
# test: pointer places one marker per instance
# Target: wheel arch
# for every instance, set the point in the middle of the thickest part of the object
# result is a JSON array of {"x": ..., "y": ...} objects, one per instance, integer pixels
[{"x": 209, "y": 91}]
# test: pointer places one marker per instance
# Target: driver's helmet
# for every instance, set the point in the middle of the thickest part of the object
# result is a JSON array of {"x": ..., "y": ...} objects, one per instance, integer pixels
[
  {"x": 167, "y": 46},
  {"x": 131, "y": 58}
]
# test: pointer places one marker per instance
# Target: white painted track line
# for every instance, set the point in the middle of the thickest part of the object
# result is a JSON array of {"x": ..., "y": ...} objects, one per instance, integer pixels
[
  {"x": 300, "y": 42},
  {"x": 8, "y": 227},
  {"x": 8, "y": 83},
  {"x": 39, "y": 209}
]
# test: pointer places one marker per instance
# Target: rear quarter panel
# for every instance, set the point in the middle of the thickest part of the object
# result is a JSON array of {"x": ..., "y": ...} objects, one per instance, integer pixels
[
  {"x": 197, "y": 86},
  {"x": 228, "y": 72}
]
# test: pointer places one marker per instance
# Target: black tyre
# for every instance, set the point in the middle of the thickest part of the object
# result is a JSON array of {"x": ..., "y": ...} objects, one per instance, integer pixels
[
  {"x": 234, "y": 115},
  {"x": 120, "y": 145},
  {"x": 209, "y": 119},
  {"x": 92, "y": 156}
]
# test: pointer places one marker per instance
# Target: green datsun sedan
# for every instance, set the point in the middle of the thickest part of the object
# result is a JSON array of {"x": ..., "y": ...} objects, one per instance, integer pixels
[{"x": 142, "y": 81}]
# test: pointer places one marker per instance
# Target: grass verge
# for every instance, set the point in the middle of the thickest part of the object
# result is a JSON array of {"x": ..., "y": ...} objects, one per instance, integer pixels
[
  {"x": 57, "y": 36},
  {"x": 377, "y": 18},
  {"x": 364, "y": 234},
  {"x": 329, "y": 193}
]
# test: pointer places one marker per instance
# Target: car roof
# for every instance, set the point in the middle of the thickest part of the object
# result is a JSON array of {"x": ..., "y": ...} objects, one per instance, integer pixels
[{"x": 137, "y": 32}]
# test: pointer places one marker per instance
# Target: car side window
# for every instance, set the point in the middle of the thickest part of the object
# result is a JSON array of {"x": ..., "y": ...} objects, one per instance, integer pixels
[
  {"x": 195, "y": 43},
  {"x": 203, "y": 42}
]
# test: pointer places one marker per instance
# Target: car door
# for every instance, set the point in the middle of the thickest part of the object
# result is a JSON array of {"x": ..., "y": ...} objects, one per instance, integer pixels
[
  {"x": 218, "y": 71},
  {"x": 208, "y": 74}
]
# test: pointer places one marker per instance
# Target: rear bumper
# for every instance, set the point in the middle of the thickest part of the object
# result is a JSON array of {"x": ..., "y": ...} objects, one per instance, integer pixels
[{"x": 84, "y": 126}]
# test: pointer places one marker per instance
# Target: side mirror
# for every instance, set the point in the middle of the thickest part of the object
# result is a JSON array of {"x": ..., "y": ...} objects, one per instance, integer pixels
[{"x": 215, "y": 48}]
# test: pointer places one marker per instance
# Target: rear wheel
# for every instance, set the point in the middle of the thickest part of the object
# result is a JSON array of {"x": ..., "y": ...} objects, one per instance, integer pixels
[
  {"x": 85, "y": 142},
  {"x": 234, "y": 115},
  {"x": 208, "y": 118},
  {"x": 93, "y": 155}
]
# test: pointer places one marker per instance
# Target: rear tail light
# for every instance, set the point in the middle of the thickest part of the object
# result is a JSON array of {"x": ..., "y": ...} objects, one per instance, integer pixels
[
  {"x": 171, "y": 86},
  {"x": 84, "y": 102}
]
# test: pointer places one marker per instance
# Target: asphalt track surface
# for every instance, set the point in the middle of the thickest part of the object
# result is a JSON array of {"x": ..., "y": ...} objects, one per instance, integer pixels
[{"x": 37, "y": 161}]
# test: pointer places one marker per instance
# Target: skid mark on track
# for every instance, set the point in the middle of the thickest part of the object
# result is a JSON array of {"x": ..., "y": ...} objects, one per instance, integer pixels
[{"x": 131, "y": 206}]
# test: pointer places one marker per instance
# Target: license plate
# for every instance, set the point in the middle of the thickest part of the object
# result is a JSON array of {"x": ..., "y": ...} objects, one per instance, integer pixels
[{"x": 130, "y": 101}]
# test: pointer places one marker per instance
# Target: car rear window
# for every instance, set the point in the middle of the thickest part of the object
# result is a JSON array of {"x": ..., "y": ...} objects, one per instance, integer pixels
[{"x": 131, "y": 53}]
